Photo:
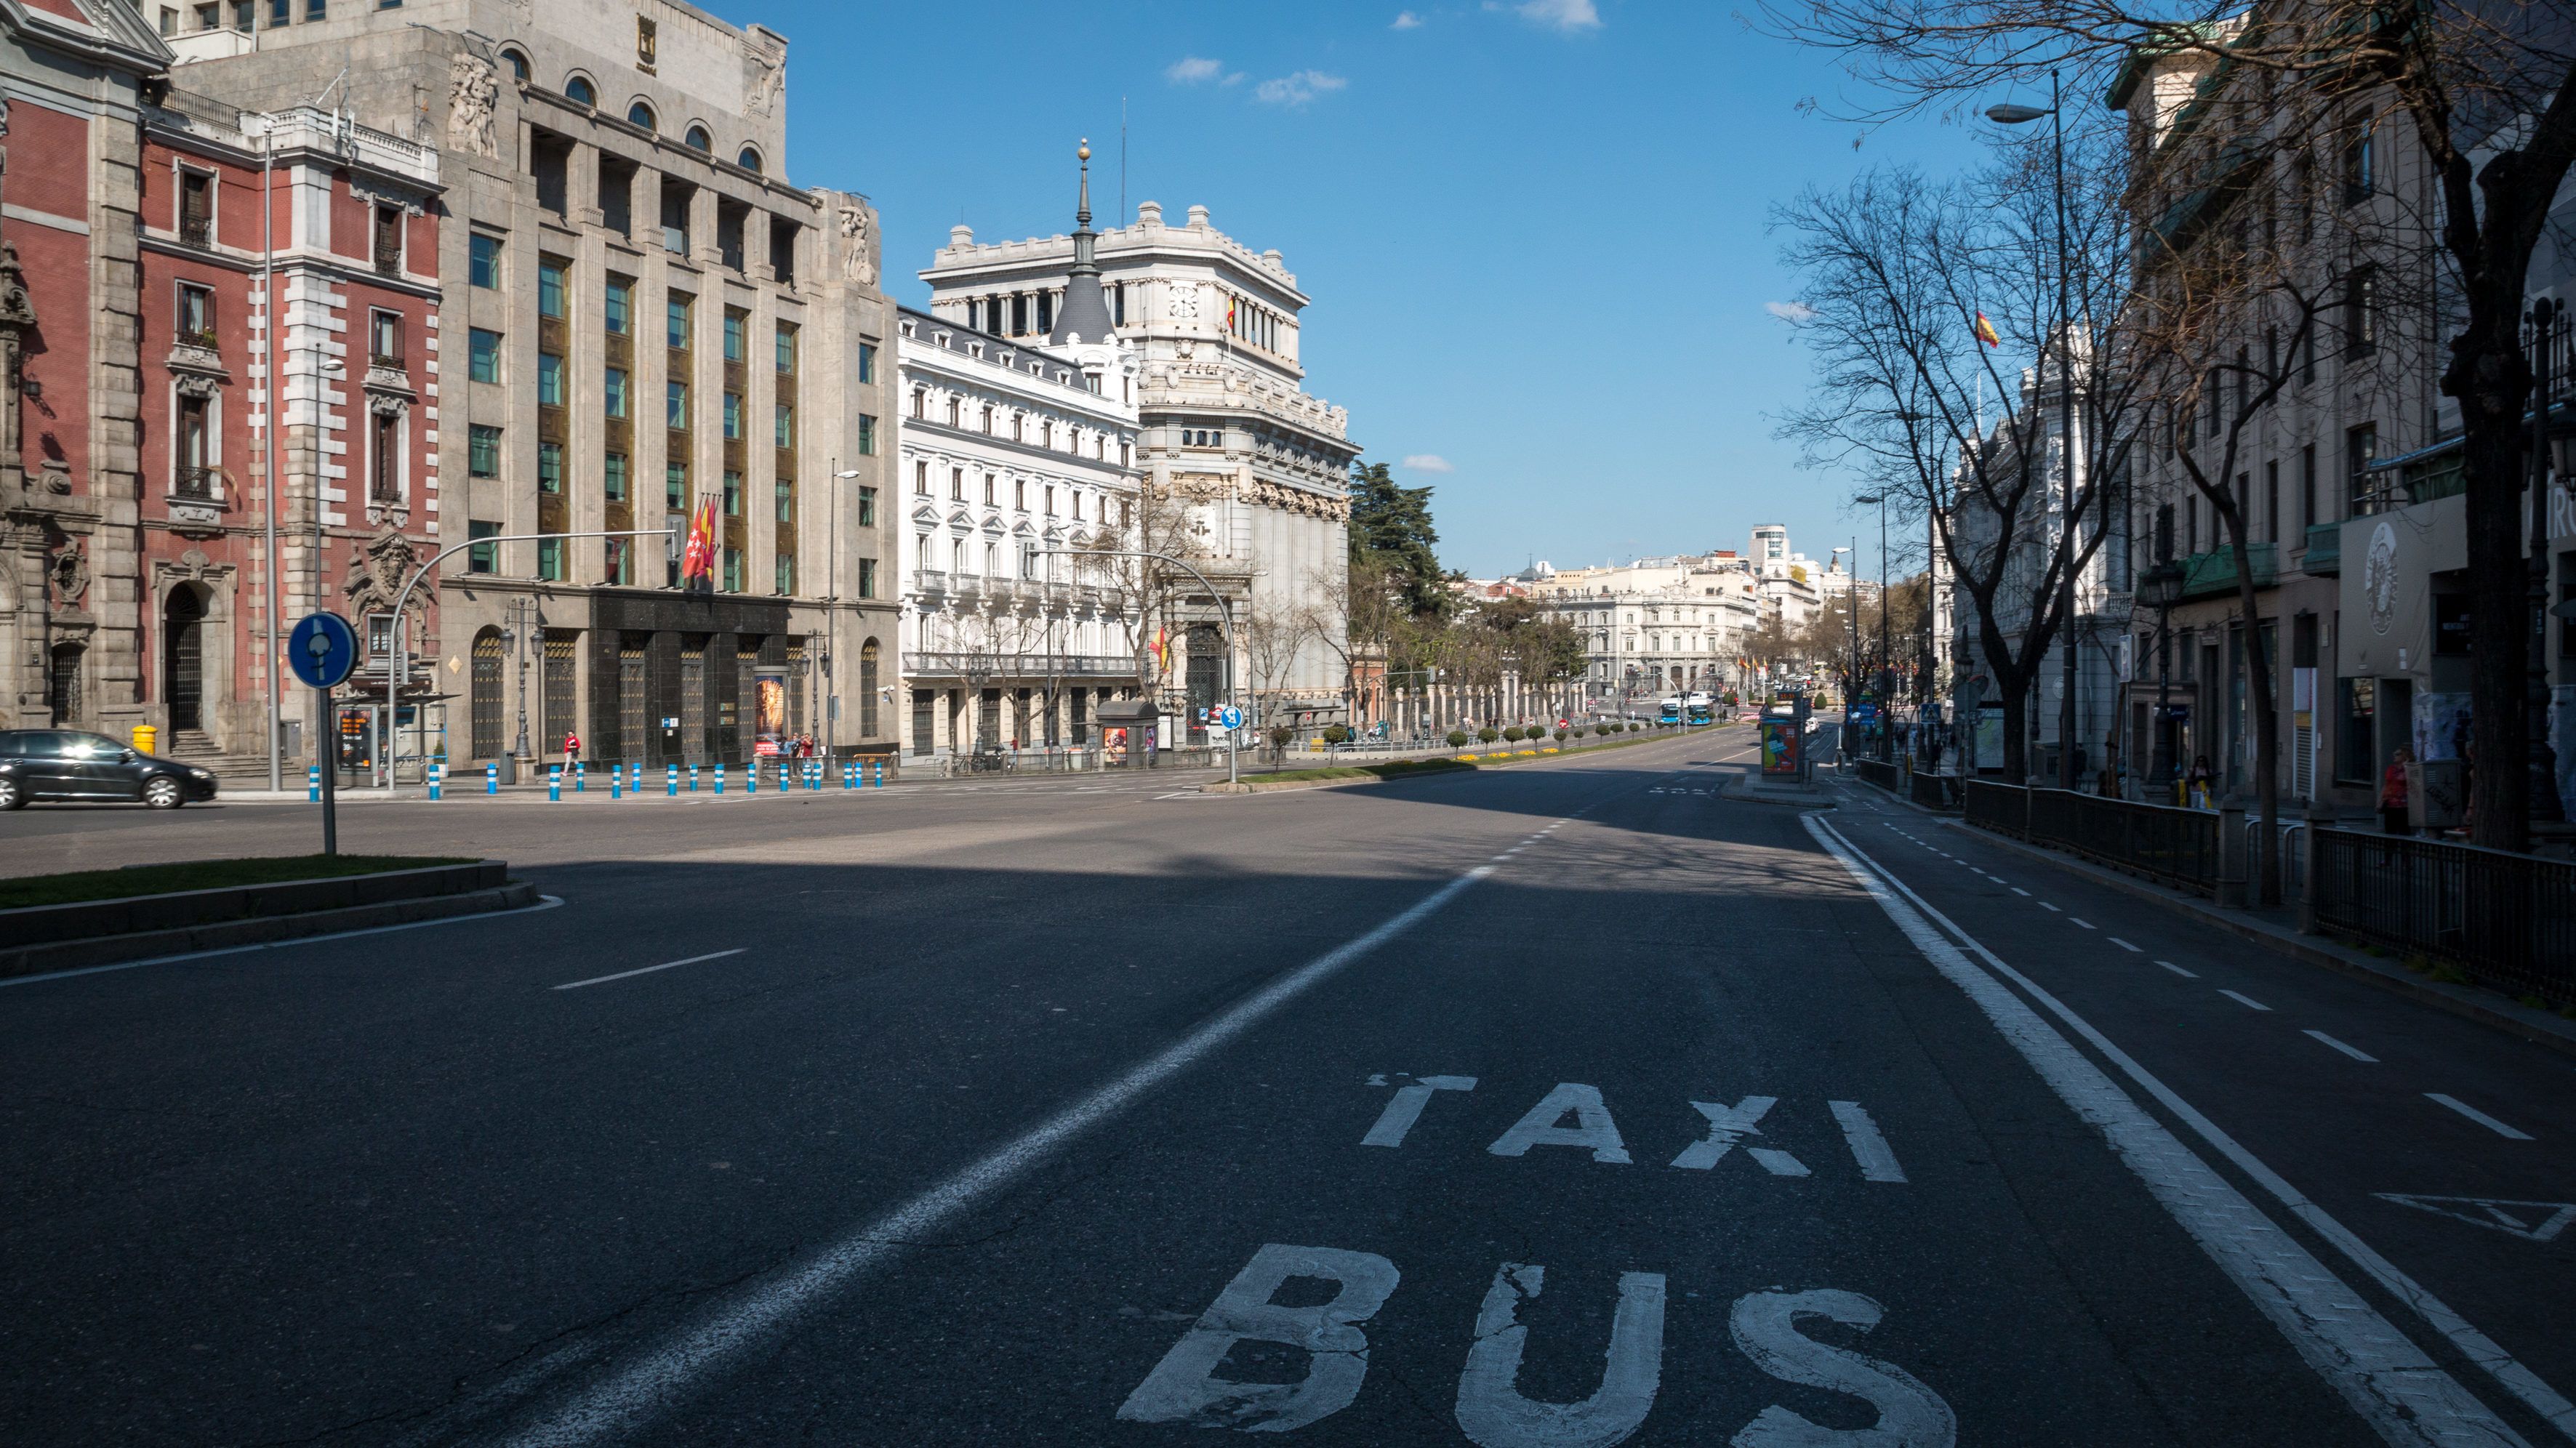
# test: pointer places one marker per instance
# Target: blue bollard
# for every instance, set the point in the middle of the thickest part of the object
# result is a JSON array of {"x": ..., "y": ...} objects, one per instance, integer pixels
[
  {"x": 616, "y": 777},
  {"x": 751, "y": 776},
  {"x": 719, "y": 779},
  {"x": 580, "y": 777},
  {"x": 554, "y": 784},
  {"x": 313, "y": 784},
  {"x": 635, "y": 777},
  {"x": 693, "y": 779},
  {"x": 671, "y": 781},
  {"x": 492, "y": 778},
  {"x": 845, "y": 774},
  {"x": 880, "y": 773},
  {"x": 437, "y": 776}
]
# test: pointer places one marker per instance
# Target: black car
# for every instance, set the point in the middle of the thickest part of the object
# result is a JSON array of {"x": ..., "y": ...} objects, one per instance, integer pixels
[{"x": 70, "y": 764}]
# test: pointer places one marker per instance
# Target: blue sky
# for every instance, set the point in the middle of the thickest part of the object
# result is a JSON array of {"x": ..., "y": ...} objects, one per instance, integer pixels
[{"x": 1534, "y": 232}]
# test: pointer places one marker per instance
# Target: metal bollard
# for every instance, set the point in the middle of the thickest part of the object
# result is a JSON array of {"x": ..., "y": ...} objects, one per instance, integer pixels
[
  {"x": 846, "y": 768},
  {"x": 693, "y": 779},
  {"x": 671, "y": 781},
  {"x": 880, "y": 765},
  {"x": 437, "y": 776},
  {"x": 313, "y": 784},
  {"x": 580, "y": 777},
  {"x": 492, "y": 778},
  {"x": 554, "y": 784},
  {"x": 719, "y": 779},
  {"x": 635, "y": 777},
  {"x": 751, "y": 776}
]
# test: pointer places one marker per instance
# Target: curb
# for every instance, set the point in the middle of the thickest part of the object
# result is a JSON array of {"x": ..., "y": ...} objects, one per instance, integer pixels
[
  {"x": 182, "y": 910},
  {"x": 109, "y": 950},
  {"x": 2536, "y": 1027}
]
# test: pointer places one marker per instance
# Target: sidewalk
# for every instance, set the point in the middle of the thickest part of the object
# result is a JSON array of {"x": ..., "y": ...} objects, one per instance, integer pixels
[{"x": 2278, "y": 929}]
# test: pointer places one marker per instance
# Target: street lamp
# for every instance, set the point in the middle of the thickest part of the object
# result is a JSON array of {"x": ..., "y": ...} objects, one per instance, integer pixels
[
  {"x": 2014, "y": 115},
  {"x": 1851, "y": 677},
  {"x": 1886, "y": 737}
]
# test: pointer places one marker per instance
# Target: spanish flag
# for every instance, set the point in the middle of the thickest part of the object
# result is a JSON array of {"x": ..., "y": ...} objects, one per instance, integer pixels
[
  {"x": 1985, "y": 331},
  {"x": 1163, "y": 649}
]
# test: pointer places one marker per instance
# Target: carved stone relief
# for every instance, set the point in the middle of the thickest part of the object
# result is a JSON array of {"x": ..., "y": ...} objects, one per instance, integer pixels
[
  {"x": 67, "y": 575},
  {"x": 858, "y": 242},
  {"x": 385, "y": 564},
  {"x": 472, "y": 95}
]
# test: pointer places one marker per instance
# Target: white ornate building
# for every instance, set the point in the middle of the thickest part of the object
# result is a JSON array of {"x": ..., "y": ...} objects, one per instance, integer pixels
[
  {"x": 1243, "y": 471},
  {"x": 1657, "y": 624}
]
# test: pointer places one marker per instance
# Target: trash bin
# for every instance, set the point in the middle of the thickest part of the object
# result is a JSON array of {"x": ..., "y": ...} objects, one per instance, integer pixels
[{"x": 145, "y": 737}]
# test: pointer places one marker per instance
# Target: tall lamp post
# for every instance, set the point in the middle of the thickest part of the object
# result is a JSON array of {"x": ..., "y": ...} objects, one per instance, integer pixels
[
  {"x": 832, "y": 612},
  {"x": 2543, "y": 784},
  {"x": 2160, "y": 588},
  {"x": 1886, "y": 736},
  {"x": 1851, "y": 677},
  {"x": 2013, "y": 115}
]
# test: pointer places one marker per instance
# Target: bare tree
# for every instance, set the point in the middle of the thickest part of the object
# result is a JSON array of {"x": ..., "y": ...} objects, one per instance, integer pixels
[{"x": 2486, "y": 91}]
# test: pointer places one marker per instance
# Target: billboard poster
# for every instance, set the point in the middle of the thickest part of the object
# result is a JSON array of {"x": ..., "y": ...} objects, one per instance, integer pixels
[
  {"x": 1113, "y": 744},
  {"x": 769, "y": 704},
  {"x": 1781, "y": 746}
]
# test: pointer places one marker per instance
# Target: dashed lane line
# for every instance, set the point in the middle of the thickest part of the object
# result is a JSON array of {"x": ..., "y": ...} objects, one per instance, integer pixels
[
  {"x": 2480, "y": 1117},
  {"x": 2178, "y": 970},
  {"x": 2354, "y": 1052},
  {"x": 2247, "y": 1001}
]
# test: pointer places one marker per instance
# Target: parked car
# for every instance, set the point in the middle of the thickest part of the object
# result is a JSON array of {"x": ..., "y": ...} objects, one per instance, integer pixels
[{"x": 73, "y": 765}]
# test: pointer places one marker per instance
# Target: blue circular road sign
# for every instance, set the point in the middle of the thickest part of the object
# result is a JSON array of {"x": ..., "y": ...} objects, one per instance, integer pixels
[
  {"x": 323, "y": 650},
  {"x": 1232, "y": 718}
]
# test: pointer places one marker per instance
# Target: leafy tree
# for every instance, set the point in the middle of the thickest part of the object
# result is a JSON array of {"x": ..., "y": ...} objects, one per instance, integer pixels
[{"x": 1391, "y": 533}]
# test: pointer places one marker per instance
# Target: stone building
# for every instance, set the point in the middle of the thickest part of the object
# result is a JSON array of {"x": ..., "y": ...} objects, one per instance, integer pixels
[
  {"x": 1243, "y": 470},
  {"x": 1657, "y": 624},
  {"x": 637, "y": 312}
]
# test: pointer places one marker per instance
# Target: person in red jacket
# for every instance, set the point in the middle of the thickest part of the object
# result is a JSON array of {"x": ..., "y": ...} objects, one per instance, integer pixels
[
  {"x": 572, "y": 750},
  {"x": 2392, "y": 794}
]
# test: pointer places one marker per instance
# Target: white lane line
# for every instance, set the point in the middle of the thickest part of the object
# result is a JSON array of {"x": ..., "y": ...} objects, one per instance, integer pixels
[
  {"x": 648, "y": 970},
  {"x": 2080, "y": 920},
  {"x": 544, "y": 902},
  {"x": 2480, "y": 1117},
  {"x": 2353, "y": 1051},
  {"x": 2178, "y": 970},
  {"x": 2403, "y": 1394},
  {"x": 2044, "y": 905},
  {"x": 2124, "y": 945},
  {"x": 2246, "y": 1001},
  {"x": 2016, "y": 889},
  {"x": 618, "y": 1409}
]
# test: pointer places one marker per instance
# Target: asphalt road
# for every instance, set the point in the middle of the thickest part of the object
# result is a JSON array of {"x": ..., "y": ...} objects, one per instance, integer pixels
[{"x": 1563, "y": 1105}]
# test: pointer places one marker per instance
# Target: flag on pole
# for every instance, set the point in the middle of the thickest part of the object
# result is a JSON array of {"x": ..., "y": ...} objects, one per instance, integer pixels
[
  {"x": 697, "y": 560},
  {"x": 1986, "y": 333}
]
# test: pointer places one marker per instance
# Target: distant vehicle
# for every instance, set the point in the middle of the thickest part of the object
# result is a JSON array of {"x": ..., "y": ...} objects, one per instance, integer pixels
[
  {"x": 1668, "y": 710},
  {"x": 1699, "y": 706},
  {"x": 68, "y": 764}
]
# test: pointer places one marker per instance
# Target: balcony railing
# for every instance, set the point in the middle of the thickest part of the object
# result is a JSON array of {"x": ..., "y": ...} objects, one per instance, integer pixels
[
  {"x": 961, "y": 664},
  {"x": 2207, "y": 575},
  {"x": 197, "y": 231},
  {"x": 2324, "y": 554},
  {"x": 197, "y": 485}
]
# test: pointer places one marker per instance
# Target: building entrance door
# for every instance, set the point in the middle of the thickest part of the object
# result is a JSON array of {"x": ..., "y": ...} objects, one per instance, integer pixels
[{"x": 184, "y": 657}]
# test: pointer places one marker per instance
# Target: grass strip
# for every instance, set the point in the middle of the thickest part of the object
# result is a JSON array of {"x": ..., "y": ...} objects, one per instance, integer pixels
[{"x": 86, "y": 885}]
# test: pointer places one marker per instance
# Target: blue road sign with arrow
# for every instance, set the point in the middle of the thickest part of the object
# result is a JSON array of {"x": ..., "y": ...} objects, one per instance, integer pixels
[
  {"x": 1232, "y": 718},
  {"x": 323, "y": 650}
]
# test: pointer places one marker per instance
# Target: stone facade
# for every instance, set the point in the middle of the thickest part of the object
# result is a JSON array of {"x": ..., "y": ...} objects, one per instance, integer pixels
[
  {"x": 1243, "y": 470},
  {"x": 1657, "y": 624}
]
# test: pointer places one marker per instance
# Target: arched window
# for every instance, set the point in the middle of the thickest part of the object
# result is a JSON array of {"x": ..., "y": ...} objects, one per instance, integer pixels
[
  {"x": 579, "y": 92},
  {"x": 518, "y": 64},
  {"x": 868, "y": 690},
  {"x": 749, "y": 160},
  {"x": 640, "y": 114},
  {"x": 699, "y": 140}
]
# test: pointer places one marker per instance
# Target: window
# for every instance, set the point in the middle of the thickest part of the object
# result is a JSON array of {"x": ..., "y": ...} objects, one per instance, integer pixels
[
  {"x": 733, "y": 570},
  {"x": 957, "y": 485},
  {"x": 786, "y": 350},
  {"x": 2308, "y": 486},
  {"x": 1046, "y": 311},
  {"x": 867, "y": 507},
  {"x": 734, "y": 340},
  {"x": 1020, "y": 494},
  {"x": 279, "y": 11},
  {"x": 2361, "y": 449},
  {"x": 384, "y": 339},
  {"x": 617, "y": 310},
  {"x": 732, "y": 415},
  {"x": 482, "y": 557},
  {"x": 785, "y": 581},
  {"x": 787, "y": 424},
  {"x": 749, "y": 159},
  {"x": 1019, "y": 427},
  {"x": 615, "y": 391},
  {"x": 675, "y": 406},
  {"x": 732, "y": 493},
  {"x": 518, "y": 64},
  {"x": 550, "y": 559},
  {"x": 675, "y": 487},
  {"x": 786, "y": 500},
  {"x": 483, "y": 261},
  {"x": 868, "y": 580},
  {"x": 2361, "y": 312},
  {"x": 675, "y": 322},
  {"x": 920, "y": 405},
  {"x": 550, "y": 467},
  {"x": 196, "y": 208},
  {"x": 550, "y": 383},
  {"x": 640, "y": 115},
  {"x": 868, "y": 365},
  {"x": 989, "y": 483},
  {"x": 953, "y": 406},
  {"x": 195, "y": 477},
  {"x": 579, "y": 92},
  {"x": 550, "y": 287},
  {"x": 482, "y": 451},
  {"x": 866, "y": 439},
  {"x": 388, "y": 240},
  {"x": 2357, "y": 158},
  {"x": 196, "y": 320},
  {"x": 921, "y": 480},
  {"x": 698, "y": 140},
  {"x": 317, "y": 9},
  {"x": 1050, "y": 500},
  {"x": 612, "y": 477}
]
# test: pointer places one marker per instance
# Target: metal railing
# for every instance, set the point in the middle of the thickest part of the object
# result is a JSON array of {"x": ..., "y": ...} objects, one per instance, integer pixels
[
  {"x": 1937, "y": 791},
  {"x": 2176, "y": 846},
  {"x": 2508, "y": 921},
  {"x": 1876, "y": 771}
]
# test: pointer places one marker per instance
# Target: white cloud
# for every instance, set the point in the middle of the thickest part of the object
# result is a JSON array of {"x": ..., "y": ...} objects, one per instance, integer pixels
[
  {"x": 1297, "y": 87},
  {"x": 1406, "y": 20},
  {"x": 1427, "y": 463},
  {"x": 1570, "y": 16},
  {"x": 1193, "y": 70},
  {"x": 1790, "y": 312}
]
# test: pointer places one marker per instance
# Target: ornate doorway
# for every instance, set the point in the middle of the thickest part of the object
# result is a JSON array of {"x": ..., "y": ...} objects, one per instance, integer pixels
[{"x": 183, "y": 656}]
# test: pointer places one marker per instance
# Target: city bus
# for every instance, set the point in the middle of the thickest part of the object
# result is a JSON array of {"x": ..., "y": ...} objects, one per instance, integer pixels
[
  {"x": 1669, "y": 709},
  {"x": 1700, "y": 707}
]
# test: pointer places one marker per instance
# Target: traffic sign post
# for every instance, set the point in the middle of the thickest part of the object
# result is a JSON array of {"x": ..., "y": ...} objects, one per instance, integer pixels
[{"x": 323, "y": 651}]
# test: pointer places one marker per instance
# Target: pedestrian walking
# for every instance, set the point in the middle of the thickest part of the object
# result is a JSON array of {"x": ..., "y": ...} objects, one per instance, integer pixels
[
  {"x": 2196, "y": 784},
  {"x": 571, "y": 750},
  {"x": 2392, "y": 794}
]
